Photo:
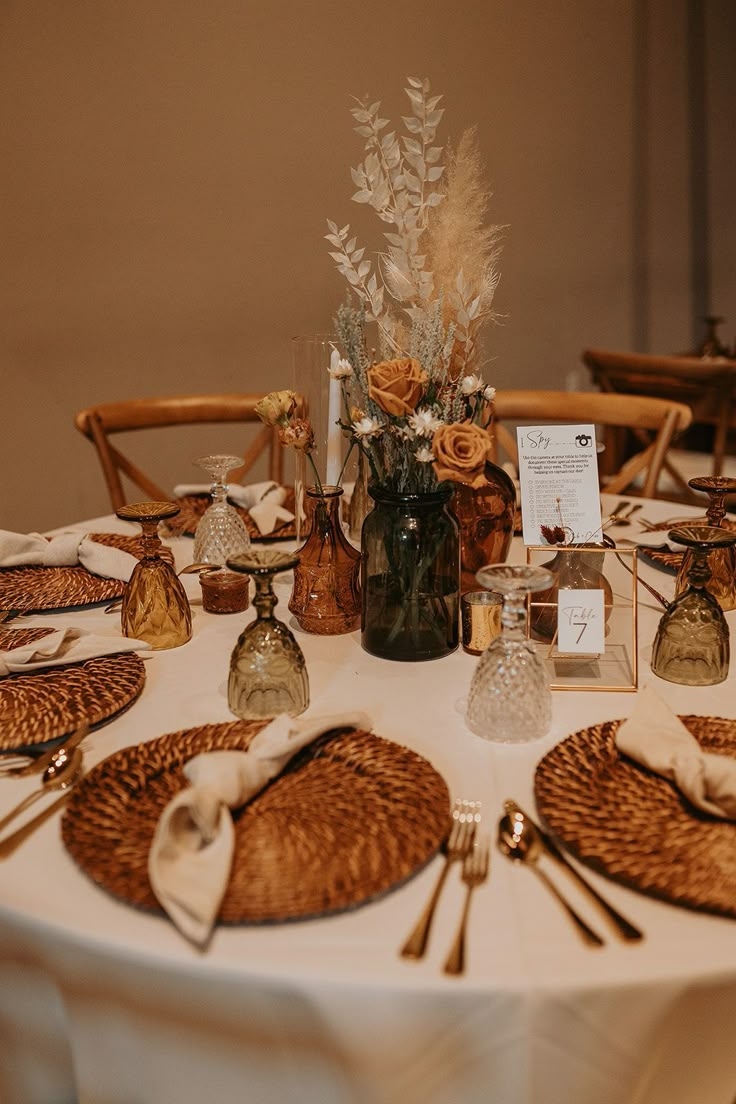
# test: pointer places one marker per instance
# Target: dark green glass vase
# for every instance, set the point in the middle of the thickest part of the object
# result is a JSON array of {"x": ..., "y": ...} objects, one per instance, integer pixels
[{"x": 410, "y": 575}]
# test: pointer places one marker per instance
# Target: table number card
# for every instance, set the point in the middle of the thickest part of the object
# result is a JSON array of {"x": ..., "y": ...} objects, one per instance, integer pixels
[
  {"x": 558, "y": 472},
  {"x": 581, "y": 624}
]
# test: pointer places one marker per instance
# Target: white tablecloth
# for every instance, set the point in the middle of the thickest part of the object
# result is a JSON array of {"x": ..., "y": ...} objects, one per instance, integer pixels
[{"x": 105, "y": 1005}]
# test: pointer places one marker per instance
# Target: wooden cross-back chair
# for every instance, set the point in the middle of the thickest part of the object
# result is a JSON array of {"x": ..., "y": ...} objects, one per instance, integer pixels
[
  {"x": 705, "y": 384},
  {"x": 660, "y": 419},
  {"x": 99, "y": 423}
]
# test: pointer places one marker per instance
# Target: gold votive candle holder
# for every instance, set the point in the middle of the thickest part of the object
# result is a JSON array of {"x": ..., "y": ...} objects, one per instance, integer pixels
[
  {"x": 480, "y": 616},
  {"x": 224, "y": 591}
]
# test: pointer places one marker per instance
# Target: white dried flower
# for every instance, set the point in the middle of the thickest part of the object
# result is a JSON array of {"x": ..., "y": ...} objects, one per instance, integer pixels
[
  {"x": 424, "y": 455},
  {"x": 404, "y": 433},
  {"x": 342, "y": 370},
  {"x": 489, "y": 393},
  {"x": 424, "y": 422},
  {"x": 471, "y": 385},
  {"x": 366, "y": 428}
]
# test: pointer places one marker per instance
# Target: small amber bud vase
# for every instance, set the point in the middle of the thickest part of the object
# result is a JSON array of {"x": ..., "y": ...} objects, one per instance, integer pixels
[
  {"x": 326, "y": 594},
  {"x": 155, "y": 606}
]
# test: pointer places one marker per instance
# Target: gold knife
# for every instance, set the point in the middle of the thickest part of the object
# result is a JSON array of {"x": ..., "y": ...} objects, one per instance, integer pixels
[{"x": 625, "y": 928}]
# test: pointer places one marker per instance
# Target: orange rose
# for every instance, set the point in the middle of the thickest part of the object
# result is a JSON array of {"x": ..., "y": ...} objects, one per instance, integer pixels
[
  {"x": 298, "y": 434},
  {"x": 397, "y": 385},
  {"x": 461, "y": 450}
]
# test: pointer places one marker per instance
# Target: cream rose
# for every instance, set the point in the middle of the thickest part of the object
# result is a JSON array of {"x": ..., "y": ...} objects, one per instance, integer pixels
[
  {"x": 397, "y": 385},
  {"x": 461, "y": 451},
  {"x": 276, "y": 407}
]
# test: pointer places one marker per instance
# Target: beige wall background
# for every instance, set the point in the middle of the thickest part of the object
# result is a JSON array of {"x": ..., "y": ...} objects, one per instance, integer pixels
[{"x": 168, "y": 167}]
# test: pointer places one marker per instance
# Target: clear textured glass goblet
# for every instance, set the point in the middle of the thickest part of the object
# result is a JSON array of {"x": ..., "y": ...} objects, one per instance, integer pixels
[
  {"x": 155, "y": 606},
  {"x": 221, "y": 532},
  {"x": 510, "y": 700},
  {"x": 692, "y": 644},
  {"x": 268, "y": 672}
]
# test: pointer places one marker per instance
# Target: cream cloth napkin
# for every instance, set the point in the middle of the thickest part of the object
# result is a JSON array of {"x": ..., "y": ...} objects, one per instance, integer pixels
[
  {"x": 191, "y": 853},
  {"x": 657, "y": 739},
  {"x": 66, "y": 550},
  {"x": 263, "y": 501},
  {"x": 65, "y": 646}
]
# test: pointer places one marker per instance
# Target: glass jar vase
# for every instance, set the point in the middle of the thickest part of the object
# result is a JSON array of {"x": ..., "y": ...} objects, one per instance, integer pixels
[
  {"x": 486, "y": 517},
  {"x": 410, "y": 575}
]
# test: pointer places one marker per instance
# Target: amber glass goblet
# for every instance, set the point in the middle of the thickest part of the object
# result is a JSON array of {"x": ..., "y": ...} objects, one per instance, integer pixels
[
  {"x": 268, "y": 672},
  {"x": 155, "y": 606},
  {"x": 692, "y": 642},
  {"x": 722, "y": 561},
  {"x": 221, "y": 532}
]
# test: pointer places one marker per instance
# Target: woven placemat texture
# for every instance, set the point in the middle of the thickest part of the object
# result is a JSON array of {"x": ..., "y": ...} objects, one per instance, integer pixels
[
  {"x": 634, "y": 825},
  {"x": 48, "y": 704},
  {"x": 192, "y": 507},
  {"x": 666, "y": 560},
  {"x": 351, "y": 816},
  {"x": 40, "y": 588}
]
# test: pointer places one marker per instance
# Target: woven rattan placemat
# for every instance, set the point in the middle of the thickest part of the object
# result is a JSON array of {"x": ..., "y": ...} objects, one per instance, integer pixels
[
  {"x": 192, "y": 508},
  {"x": 46, "y": 705},
  {"x": 41, "y": 588},
  {"x": 634, "y": 825},
  {"x": 350, "y": 818},
  {"x": 663, "y": 558}
]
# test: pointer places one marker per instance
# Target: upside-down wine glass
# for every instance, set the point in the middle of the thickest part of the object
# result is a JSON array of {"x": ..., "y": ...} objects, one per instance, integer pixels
[
  {"x": 268, "y": 672},
  {"x": 155, "y": 606},
  {"x": 510, "y": 700},
  {"x": 722, "y": 561},
  {"x": 221, "y": 532},
  {"x": 692, "y": 642}
]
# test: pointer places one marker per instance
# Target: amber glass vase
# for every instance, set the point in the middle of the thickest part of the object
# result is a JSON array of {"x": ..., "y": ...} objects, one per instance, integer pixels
[
  {"x": 575, "y": 567},
  {"x": 486, "y": 517},
  {"x": 155, "y": 606},
  {"x": 326, "y": 594}
]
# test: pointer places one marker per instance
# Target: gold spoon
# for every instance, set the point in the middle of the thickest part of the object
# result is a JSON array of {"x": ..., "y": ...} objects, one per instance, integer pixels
[
  {"x": 520, "y": 843},
  {"x": 59, "y": 775}
]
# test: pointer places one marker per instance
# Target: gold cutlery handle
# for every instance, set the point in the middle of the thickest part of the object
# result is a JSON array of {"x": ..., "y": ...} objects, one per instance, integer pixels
[
  {"x": 14, "y": 840},
  {"x": 589, "y": 936},
  {"x": 455, "y": 963},
  {"x": 416, "y": 944},
  {"x": 27, "y": 801},
  {"x": 628, "y": 930}
]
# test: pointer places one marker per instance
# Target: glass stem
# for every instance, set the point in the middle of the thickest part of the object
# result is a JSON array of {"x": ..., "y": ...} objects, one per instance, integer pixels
[{"x": 513, "y": 614}]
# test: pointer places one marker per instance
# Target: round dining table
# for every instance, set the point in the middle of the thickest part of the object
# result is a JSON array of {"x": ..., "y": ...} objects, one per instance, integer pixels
[{"x": 101, "y": 1003}]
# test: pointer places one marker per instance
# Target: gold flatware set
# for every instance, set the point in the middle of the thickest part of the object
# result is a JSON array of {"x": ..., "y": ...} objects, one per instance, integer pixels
[{"x": 525, "y": 842}]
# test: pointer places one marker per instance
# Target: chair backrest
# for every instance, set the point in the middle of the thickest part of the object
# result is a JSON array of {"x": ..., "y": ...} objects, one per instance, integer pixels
[
  {"x": 706, "y": 384},
  {"x": 98, "y": 423},
  {"x": 658, "y": 420}
]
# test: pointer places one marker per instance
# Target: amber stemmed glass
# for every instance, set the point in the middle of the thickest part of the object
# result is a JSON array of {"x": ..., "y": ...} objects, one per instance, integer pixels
[
  {"x": 221, "y": 532},
  {"x": 722, "y": 561},
  {"x": 268, "y": 672},
  {"x": 155, "y": 606},
  {"x": 692, "y": 642}
]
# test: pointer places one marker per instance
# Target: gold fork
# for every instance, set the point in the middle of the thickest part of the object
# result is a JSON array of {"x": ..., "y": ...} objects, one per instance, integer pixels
[
  {"x": 465, "y": 816},
  {"x": 475, "y": 873}
]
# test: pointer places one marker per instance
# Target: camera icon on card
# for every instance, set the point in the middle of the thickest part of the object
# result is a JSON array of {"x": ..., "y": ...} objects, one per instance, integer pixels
[{"x": 583, "y": 440}]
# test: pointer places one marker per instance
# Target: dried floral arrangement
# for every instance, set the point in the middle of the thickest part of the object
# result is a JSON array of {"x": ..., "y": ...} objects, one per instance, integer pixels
[{"x": 421, "y": 414}]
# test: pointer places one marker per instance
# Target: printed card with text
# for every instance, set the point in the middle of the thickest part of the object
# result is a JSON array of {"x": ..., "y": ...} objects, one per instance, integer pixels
[{"x": 558, "y": 472}]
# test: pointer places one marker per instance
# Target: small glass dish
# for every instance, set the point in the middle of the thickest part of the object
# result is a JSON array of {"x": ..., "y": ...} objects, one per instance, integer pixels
[{"x": 224, "y": 591}]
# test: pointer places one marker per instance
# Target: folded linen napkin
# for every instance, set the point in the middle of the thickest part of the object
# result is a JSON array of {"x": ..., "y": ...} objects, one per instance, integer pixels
[
  {"x": 65, "y": 646},
  {"x": 263, "y": 501},
  {"x": 191, "y": 853},
  {"x": 66, "y": 550},
  {"x": 658, "y": 739}
]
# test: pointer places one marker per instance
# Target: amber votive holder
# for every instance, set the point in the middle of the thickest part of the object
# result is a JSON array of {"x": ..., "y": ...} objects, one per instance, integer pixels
[
  {"x": 480, "y": 617},
  {"x": 224, "y": 591}
]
